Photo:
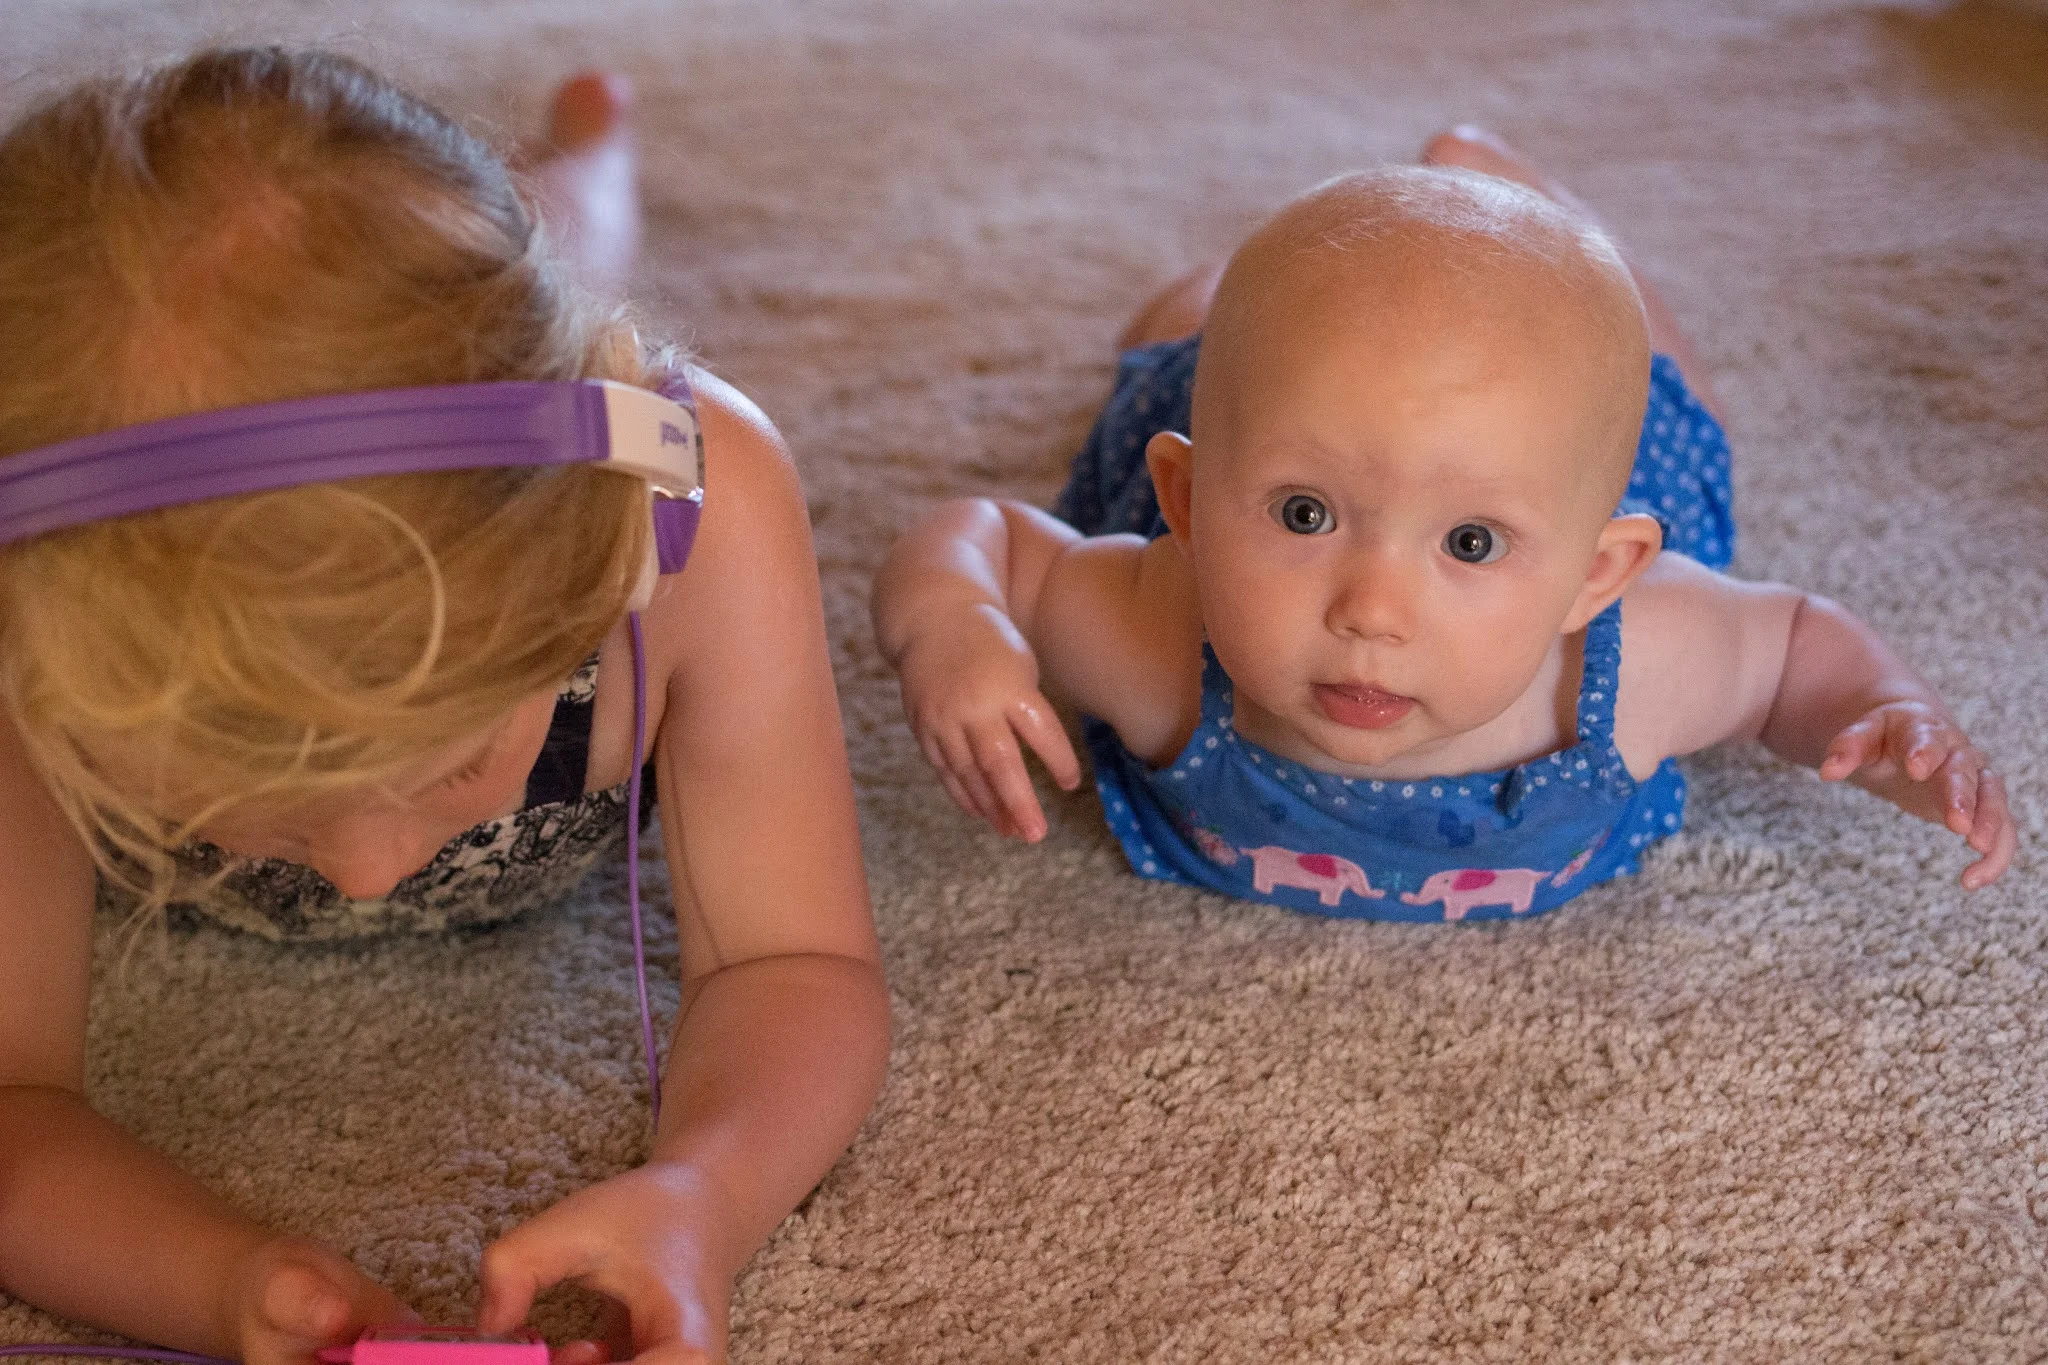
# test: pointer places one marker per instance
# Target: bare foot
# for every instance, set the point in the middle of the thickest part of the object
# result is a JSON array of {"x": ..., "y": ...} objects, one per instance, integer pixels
[
  {"x": 588, "y": 107},
  {"x": 1481, "y": 149},
  {"x": 587, "y": 171},
  {"x": 1174, "y": 312}
]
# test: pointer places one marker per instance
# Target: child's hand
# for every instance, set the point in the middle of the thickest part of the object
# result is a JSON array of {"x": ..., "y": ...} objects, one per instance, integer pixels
[
  {"x": 970, "y": 689},
  {"x": 291, "y": 1297},
  {"x": 1913, "y": 755},
  {"x": 644, "y": 1239}
]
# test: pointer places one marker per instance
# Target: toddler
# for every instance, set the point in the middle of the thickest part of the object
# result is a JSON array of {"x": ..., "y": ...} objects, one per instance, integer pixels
[
  {"x": 1396, "y": 590},
  {"x": 398, "y": 702}
]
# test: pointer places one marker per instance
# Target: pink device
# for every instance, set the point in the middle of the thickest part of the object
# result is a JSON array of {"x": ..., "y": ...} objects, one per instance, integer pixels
[{"x": 439, "y": 1346}]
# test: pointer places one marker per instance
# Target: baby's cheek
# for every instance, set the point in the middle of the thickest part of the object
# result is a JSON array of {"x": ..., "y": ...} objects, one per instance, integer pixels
[
  {"x": 1248, "y": 641},
  {"x": 1486, "y": 675}
]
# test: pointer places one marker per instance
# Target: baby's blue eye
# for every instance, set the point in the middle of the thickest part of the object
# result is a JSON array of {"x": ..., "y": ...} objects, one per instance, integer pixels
[
  {"x": 1303, "y": 515},
  {"x": 1474, "y": 544}
]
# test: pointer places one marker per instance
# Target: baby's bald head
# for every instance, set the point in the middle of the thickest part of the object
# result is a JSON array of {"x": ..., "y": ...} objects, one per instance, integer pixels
[{"x": 1424, "y": 261}]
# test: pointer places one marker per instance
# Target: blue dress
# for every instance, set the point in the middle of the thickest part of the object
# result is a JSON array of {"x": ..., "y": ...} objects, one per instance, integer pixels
[{"x": 1231, "y": 816}]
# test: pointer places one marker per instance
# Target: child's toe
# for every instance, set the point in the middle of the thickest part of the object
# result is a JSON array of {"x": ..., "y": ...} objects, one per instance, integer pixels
[{"x": 588, "y": 107}]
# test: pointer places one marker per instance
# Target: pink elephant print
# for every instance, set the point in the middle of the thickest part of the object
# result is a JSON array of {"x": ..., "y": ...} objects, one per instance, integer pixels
[
  {"x": 1213, "y": 846},
  {"x": 1578, "y": 864},
  {"x": 1464, "y": 887},
  {"x": 1323, "y": 873}
]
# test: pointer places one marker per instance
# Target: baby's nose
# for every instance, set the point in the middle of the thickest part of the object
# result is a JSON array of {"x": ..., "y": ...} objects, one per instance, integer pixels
[{"x": 1374, "y": 599}]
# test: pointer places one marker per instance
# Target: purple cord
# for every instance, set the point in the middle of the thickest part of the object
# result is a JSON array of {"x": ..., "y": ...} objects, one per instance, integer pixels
[
  {"x": 114, "y": 1353},
  {"x": 633, "y": 862}
]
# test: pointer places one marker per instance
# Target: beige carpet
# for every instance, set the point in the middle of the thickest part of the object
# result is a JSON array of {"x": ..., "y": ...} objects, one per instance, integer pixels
[{"x": 1784, "y": 1097}]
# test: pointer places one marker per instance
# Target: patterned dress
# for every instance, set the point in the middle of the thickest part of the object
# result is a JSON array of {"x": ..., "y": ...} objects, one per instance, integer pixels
[{"x": 494, "y": 871}]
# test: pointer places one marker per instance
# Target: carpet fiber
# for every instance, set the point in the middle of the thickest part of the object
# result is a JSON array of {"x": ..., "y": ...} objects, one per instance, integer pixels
[{"x": 1782, "y": 1097}]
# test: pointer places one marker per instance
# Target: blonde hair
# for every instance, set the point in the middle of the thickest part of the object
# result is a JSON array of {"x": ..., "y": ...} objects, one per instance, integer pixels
[{"x": 249, "y": 226}]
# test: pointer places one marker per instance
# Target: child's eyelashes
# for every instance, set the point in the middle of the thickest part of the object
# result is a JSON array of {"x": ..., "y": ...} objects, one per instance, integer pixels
[
  {"x": 1303, "y": 514},
  {"x": 1471, "y": 543}
]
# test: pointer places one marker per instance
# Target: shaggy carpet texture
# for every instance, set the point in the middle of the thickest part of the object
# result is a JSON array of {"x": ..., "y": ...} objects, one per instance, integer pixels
[{"x": 1783, "y": 1096}]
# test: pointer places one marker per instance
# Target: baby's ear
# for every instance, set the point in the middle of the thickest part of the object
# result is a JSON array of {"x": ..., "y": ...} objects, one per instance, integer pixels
[
  {"x": 1171, "y": 458},
  {"x": 1628, "y": 544}
]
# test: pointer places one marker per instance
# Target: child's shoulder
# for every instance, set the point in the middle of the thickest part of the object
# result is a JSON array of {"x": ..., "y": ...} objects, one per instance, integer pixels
[
  {"x": 733, "y": 424},
  {"x": 751, "y": 485},
  {"x": 1701, "y": 657},
  {"x": 1120, "y": 634},
  {"x": 752, "y": 552}
]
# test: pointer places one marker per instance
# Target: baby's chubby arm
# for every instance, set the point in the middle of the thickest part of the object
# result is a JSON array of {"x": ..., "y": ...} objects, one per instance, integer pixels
[
  {"x": 983, "y": 597},
  {"x": 93, "y": 1224},
  {"x": 946, "y": 605},
  {"x": 1709, "y": 658}
]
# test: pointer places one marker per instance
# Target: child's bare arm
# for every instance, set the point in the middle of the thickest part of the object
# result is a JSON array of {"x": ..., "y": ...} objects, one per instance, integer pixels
[
  {"x": 1710, "y": 658},
  {"x": 983, "y": 597},
  {"x": 93, "y": 1224},
  {"x": 782, "y": 1032},
  {"x": 953, "y": 605},
  {"x": 1850, "y": 708}
]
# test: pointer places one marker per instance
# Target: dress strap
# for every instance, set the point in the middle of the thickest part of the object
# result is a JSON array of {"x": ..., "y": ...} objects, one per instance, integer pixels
[
  {"x": 1600, "y": 674},
  {"x": 1219, "y": 698},
  {"x": 563, "y": 767}
]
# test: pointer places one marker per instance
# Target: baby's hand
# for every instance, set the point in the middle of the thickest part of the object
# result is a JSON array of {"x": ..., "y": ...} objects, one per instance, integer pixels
[
  {"x": 1910, "y": 753},
  {"x": 291, "y": 1297},
  {"x": 970, "y": 689}
]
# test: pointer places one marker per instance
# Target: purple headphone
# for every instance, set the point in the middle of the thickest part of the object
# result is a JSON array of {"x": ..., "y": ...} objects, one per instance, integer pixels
[
  {"x": 355, "y": 435},
  {"x": 392, "y": 431}
]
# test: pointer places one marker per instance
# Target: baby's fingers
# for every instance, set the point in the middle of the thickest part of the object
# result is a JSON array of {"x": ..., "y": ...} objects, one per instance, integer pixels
[
  {"x": 935, "y": 754},
  {"x": 1959, "y": 779},
  {"x": 1034, "y": 720},
  {"x": 1992, "y": 833},
  {"x": 949, "y": 757},
  {"x": 963, "y": 767},
  {"x": 1859, "y": 743},
  {"x": 957, "y": 792},
  {"x": 1002, "y": 765},
  {"x": 1925, "y": 744}
]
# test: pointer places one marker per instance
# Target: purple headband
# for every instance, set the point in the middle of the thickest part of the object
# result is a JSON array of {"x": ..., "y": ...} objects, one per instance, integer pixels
[{"x": 355, "y": 435}]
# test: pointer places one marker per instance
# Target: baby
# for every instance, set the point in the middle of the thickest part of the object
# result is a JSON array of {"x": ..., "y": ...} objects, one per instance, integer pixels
[{"x": 1396, "y": 591}]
